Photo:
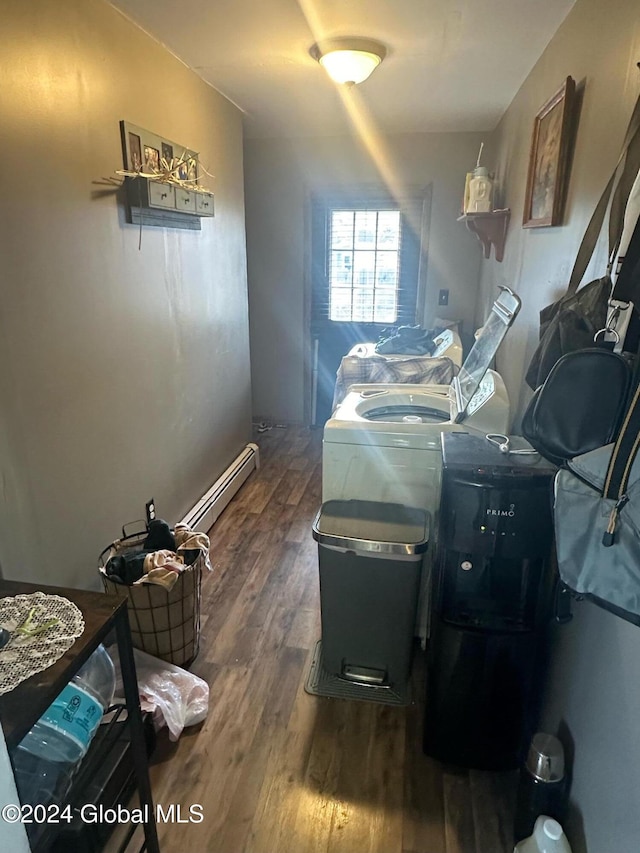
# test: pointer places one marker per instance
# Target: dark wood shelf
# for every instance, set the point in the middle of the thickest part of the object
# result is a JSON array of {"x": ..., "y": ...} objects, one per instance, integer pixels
[
  {"x": 21, "y": 707},
  {"x": 490, "y": 229}
]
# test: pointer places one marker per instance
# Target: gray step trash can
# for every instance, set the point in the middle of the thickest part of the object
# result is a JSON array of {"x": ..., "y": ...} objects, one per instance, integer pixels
[{"x": 370, "y": 558}]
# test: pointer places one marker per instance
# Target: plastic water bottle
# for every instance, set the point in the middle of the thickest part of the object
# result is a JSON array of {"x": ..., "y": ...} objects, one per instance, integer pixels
[
  {"x": 548, "y": 837},
  {"x": 47, "y": 757}
]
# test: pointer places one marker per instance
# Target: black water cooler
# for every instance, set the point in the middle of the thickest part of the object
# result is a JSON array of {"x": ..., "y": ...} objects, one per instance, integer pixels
[{"x": 491, "y": 603}]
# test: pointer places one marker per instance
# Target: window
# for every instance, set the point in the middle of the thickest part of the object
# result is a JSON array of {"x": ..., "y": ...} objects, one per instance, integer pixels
[{"x": 364, "y": 265}]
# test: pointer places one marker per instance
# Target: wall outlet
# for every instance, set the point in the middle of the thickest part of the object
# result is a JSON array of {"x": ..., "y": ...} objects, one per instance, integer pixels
[{"x": 443, "y": 297}]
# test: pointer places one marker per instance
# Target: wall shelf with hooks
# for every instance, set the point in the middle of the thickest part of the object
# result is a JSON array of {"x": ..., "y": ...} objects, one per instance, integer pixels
[{"x": 490, "y": 229}]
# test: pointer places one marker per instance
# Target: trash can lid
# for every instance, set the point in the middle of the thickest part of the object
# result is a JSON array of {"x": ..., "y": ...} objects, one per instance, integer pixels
[{"x": 372, "y": 526}]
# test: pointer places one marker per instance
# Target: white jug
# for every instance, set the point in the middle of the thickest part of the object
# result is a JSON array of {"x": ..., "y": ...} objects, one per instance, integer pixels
[
  {"x": 480, "y": 191},
  {"x": 548, "y": 837}
]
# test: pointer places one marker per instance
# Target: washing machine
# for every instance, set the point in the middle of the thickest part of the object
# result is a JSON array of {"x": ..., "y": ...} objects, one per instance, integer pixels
[{"x": 382, "y": 443}]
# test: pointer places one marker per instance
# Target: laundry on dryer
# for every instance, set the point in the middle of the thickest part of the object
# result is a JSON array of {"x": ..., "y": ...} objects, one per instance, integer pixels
[{"x": 363, "y": 363}]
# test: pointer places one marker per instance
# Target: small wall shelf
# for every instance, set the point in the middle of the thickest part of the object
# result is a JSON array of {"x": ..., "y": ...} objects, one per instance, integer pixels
[
  {"x": 162, "y": 181},
  {"x": 490, "y": 229},
  {"x": 158, "y": 203}
]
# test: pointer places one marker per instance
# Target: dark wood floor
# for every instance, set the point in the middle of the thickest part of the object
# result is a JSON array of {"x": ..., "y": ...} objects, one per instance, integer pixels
[{"x": 276, "y": 769}]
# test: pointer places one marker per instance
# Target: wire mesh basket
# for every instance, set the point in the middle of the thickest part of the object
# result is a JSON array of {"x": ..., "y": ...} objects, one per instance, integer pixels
[{"x": 164, "y": 623}]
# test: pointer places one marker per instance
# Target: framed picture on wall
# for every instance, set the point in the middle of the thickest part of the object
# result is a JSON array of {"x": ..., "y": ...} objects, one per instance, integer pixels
[{"x": 549, "y": 159}]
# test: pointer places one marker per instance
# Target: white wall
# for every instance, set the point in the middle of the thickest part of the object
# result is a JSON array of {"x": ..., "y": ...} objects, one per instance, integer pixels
[
  {"x": 279, "y": 176},
  {"x": 125, "y": 373},
  {"x": 593, "y": 692}
]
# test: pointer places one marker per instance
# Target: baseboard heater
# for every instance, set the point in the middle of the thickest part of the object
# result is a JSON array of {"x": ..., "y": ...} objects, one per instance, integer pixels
[{"x": 207, "y": 510}]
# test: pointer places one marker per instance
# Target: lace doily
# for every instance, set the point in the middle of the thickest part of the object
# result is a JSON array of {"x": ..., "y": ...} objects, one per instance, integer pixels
[{"x": 25, "y": 655}]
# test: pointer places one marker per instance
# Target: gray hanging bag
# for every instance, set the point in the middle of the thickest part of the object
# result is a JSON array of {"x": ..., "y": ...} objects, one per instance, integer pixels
[{"x": 597, "y": 521}]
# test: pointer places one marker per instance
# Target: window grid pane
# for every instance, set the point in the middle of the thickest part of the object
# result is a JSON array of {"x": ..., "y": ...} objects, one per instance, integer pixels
[{"x": 364, "y": 262}]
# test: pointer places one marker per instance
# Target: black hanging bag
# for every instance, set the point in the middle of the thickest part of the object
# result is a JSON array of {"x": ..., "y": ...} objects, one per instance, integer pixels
[{"x": 580, "y": 405}]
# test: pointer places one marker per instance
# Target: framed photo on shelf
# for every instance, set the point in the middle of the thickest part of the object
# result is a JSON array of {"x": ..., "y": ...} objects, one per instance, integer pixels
[
  {"x": 167, "y": 153},
  {"x": 135, "y": 153},
  {"x": 150, "y": 153},
  {"x": 549, "y": 159},
  {"x": 151, "y": 159}
]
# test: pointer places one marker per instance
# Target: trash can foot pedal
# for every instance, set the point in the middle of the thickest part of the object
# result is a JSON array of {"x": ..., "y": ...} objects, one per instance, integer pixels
[
  {"x": 322, "y": 683},
  {"x": 364, "y": 675}
]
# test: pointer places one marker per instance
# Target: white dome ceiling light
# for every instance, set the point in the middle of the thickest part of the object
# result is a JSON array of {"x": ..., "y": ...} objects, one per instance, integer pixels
[{"x": 348, "y": 60}]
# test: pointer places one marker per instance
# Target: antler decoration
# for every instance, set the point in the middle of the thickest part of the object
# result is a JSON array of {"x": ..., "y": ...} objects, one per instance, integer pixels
[{"x": 171, "y": 172}]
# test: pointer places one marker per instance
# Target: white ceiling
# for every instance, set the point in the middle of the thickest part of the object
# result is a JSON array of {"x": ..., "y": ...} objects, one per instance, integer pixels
[{"x": 451, "y": 65}]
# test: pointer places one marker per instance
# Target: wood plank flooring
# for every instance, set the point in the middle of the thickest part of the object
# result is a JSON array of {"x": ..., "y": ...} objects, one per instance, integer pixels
[{"x": 278, "y": 770}]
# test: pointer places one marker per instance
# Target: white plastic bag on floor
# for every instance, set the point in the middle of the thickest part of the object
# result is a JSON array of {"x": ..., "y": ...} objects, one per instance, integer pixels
[{"x": 174, "y": 697}]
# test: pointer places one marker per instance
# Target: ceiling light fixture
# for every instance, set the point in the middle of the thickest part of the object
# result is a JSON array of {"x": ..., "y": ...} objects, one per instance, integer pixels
[{"x": 348, "y": 60}]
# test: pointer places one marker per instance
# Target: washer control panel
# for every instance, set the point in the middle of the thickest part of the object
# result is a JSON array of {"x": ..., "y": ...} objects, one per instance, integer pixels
[{"x": 485, "y": 390}]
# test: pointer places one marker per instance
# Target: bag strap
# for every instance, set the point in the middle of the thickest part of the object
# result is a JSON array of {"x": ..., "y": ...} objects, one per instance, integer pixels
[
  {"x": 622, "y": 458},
  {"x": 624, "y": 451},
  {"x": 627, "y": 286},
  {"x": 616, "y": 217},
  {"x": 622, "y": 192}
]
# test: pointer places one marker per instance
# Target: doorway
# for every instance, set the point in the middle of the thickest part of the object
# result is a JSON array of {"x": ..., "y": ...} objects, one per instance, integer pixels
[{"x": 368, "y": 261}]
